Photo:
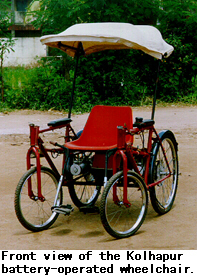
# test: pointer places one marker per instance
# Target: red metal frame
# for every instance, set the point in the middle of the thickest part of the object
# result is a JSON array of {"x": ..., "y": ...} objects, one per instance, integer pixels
[
  {"x": 37, "y": 147},
  {"x": 128, "y": 153},
  {"x": 125, "y": 151}
]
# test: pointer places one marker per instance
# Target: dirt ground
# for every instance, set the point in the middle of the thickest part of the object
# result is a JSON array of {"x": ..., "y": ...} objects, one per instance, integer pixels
[{"x": 175, "y": 230}]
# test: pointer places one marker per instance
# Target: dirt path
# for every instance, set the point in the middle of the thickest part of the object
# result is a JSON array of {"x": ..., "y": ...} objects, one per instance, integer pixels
[{"x": 175, "y": 230}]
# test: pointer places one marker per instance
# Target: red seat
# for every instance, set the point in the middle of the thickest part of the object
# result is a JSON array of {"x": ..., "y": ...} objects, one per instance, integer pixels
[{"x": 100, "y": 131}]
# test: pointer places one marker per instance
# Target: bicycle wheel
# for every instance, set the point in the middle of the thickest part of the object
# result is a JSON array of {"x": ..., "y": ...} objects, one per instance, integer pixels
[
  {"x": 33, "y": 214},
  {"x": 118, "y": 220},
  {"x": 84, "y": 189},
  {"x": 162, "y": 195}
]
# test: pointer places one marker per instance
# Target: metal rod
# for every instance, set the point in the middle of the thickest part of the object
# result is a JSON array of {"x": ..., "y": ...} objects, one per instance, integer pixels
[
  {"x": 155, "y": 94},
  {"x": 77, "y": 55},
  {"x": 58, "y": 189},
  {"x": 64, "y": 47},
  {"x": 73, "y": 89}
]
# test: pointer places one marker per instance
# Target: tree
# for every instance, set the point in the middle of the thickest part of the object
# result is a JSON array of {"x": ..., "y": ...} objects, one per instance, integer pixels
[
  {"x": 55, "y": 16},
  {"x": 5, "y": 5},
  {"x": 109, "y": 76},
  {"x": 6, "y": 41},
  {"x": 5, "y": 46},
  {"x": 178, "y": 21}
]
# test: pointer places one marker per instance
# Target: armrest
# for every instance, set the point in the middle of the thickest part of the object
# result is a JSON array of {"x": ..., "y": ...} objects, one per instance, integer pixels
[{"x": 59, "y": 122}]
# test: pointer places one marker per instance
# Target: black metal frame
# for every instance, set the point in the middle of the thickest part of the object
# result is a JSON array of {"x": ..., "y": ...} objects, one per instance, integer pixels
[{"x": 155, "y": 93}]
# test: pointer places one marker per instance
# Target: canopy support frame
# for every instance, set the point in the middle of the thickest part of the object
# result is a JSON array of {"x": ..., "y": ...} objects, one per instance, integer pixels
[
  {"x": 155, "y": 93},
  {"x": 79, "y": 52}
]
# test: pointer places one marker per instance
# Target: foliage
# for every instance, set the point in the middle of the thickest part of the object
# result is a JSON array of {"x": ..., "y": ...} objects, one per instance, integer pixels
[
  {"x": 110, "y": 81},
  {"x": 6, "y": 41},
  {"x": 113, "y": 77},
  {"x": 178, "y": 26},
  {"x": 4, "y": 17},
  {"x": 175, "y": 19},
  {"x": 45, "y": 87},
  {"x": 5, "y": 4},
  {"x": 42, "y": 87},
  {"x": 55, "y": 16},
  {"x": 100, "y": 80}
]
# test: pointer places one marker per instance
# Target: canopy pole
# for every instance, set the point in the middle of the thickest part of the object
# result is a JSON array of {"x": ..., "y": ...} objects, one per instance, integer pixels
[
  {"x": 155, "y": 94},
  {"x": 78, "y": 52}
]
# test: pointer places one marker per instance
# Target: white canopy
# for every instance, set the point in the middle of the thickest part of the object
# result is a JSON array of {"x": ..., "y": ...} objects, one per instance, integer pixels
[{"x": 97, "y": 37}]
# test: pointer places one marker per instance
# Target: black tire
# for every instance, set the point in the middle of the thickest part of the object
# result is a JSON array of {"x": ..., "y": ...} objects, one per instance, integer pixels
[
  {"x": 163, "y": 195},
  {"x": 85, "y": 191},
  {"x": 118, "y": 220},
  {"x": 33, "y": 214}
]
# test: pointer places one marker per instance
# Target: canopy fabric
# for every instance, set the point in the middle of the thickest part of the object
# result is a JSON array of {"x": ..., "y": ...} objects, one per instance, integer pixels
[{"x": 96, "y": 37}]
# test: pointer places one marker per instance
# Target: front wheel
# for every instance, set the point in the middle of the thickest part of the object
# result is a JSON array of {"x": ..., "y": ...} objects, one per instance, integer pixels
[
  {"x": 34, "y": 214},
  {"x": 121, "y": 220},
  {"x": 162, "y": 195}
]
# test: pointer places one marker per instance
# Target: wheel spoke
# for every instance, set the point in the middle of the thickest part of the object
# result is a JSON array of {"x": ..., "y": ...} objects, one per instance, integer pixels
[{"x": 119, "y": 220}]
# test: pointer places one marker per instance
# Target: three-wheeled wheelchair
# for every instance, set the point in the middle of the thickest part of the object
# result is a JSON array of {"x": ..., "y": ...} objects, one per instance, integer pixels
[{"x": 103, "y": 156}]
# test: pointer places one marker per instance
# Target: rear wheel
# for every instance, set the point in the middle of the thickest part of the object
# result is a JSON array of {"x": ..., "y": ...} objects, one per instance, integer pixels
[
  {"x": 34, "y": 214},
  {"x": 162, "y": 195},
  {"x": 84, "y": 189},
  {"x": 118, "y": 219}
]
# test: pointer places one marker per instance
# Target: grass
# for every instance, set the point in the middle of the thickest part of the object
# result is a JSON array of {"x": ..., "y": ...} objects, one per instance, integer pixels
[{"x": 19, "y": 82}]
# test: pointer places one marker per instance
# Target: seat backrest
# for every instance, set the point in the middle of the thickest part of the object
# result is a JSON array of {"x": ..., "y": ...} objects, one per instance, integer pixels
[{"x": 101, "y": 126}]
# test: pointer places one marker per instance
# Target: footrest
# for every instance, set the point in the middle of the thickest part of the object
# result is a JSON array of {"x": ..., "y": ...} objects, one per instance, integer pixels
[
  {"x": 63, "y": 209},
  {"x": 89, "y": 209}
]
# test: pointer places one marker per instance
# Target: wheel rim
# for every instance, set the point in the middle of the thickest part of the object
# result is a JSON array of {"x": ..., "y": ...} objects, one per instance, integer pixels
[
  {"x": 35, "y": 212},
  {"x": 126, "y": 220},
  {"x": 165, "y": 191},
  {"x": 86, "y": 193}
]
